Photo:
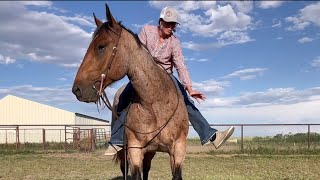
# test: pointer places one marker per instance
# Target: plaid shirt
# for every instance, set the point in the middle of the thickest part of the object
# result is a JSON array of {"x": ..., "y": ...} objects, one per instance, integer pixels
[{"x": 168, "y": 54}]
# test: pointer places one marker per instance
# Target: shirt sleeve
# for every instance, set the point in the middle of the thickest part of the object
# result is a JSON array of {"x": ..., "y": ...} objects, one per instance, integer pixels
[
  {"x": 143, "y": 36},
  {"x": 179, "y": 64}
]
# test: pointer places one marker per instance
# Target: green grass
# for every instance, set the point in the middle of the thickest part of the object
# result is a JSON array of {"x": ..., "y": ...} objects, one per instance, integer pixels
[
  {"x": 54, "y": 165},
  {"x": 279, "y": 157}
]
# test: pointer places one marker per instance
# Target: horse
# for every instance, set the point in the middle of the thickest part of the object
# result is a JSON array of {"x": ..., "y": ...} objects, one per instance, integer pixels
[{"x": 157, "y": 119}]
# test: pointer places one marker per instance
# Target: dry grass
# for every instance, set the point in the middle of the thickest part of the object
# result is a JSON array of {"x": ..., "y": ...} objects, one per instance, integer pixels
[{"x": 198, "y": 165}]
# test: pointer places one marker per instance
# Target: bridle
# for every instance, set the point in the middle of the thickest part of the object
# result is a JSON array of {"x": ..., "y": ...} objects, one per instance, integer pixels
[{"x": 114, "y": 52}]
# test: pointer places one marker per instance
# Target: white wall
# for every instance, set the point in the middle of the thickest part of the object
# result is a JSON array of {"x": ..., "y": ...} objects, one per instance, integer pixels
[{"x": 15, "y": 110}]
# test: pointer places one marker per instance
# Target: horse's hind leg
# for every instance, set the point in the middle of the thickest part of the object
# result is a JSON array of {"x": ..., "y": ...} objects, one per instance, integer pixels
[
  {"x": 176, "y": 160},
  {"x": 147, "y": 164}
]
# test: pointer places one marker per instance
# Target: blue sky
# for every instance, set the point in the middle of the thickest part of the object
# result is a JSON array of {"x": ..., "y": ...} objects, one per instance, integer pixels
[{"x": 257, "y": 62}]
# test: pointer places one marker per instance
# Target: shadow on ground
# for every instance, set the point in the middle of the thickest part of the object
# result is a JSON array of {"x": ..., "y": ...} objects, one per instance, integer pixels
[{"x": 121, "y": 178}]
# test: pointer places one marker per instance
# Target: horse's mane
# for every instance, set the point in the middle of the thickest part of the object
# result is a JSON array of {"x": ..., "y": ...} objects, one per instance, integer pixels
[{"x": 136, "y": 37}]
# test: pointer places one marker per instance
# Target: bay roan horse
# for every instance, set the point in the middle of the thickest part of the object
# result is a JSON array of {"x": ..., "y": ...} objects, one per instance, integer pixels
[{"x": 156, "y": 108}]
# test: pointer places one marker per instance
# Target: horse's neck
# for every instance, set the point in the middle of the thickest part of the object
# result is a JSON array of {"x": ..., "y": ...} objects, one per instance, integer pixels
[{"x": 150, "y": 82}]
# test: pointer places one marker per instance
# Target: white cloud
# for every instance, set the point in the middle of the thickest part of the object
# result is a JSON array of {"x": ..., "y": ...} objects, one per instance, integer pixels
[
  {"x": 81, "y": 20},
  {"x": 246, "y": 74},
  {"x": 73, "y": 65},
  {"x": 316, "y": 62},
  {"x": 38, "y": 3},
  {"x": 276, "y": 23},
  {"x": 41, "y": 36},
  {"x": 227, "y": 20},
  {"x": 62, "y": 79},
  {"x": 278, "y": 105},
  {"x": 269, "y": 4},
  {"x": 241, "y": 6},
  {"x": 307, "y": 16},
  {"x": 211, "y": 87},
  {"x": 198, "y": 47},
  {"x": 194, "y": 59},
  {"x": 234, "y": 37},
  {"x": 225, "y": 39},
  {"x": 272, "y": 96},
  {"x": 203, "y": 60},
  {"x": 58, "y": 94},
  {"x": 139, "y": 26},
  {"x": 305, "y": 40},
  {"x": 6, "y": 60},
  {"x": 302, "y": 112},
  {"x": 298, "y": 24},
  {"x": 311, "y": 13}
]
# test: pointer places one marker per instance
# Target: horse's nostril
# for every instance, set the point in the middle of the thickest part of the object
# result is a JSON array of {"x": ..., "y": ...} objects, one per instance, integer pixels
[{"x": 76, "y": 91}]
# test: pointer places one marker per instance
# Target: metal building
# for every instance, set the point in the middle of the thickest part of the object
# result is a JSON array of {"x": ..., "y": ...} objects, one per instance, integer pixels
[{"x": 34, "y": 119}]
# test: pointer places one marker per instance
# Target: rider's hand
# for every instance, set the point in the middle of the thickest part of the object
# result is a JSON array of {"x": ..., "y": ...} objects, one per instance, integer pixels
[{"x": 195, "y": 94}]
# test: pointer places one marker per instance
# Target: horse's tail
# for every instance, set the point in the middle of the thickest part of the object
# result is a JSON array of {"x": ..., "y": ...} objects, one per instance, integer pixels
[{"x": 117, "y": 158}]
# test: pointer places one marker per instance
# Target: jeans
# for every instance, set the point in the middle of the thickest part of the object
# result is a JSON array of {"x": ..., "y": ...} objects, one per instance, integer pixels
[{"x": 198, "y": 122}]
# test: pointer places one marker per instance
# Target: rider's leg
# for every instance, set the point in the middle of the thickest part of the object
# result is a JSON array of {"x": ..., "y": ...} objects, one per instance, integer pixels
[
  {"x": 117, "y": 131},
  {"x": 200, "y": 124}
]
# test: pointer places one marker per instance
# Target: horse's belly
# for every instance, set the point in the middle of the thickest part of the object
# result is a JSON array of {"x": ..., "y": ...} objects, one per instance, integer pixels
[{"x": 159, "y": 147}]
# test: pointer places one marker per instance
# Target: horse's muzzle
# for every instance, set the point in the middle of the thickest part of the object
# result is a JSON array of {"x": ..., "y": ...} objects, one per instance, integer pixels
[
  {"x": 85, "y": 94},
  {"x": 76, "y": 91}
]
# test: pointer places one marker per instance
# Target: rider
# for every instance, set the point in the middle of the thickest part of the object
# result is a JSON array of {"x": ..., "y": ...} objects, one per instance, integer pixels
[{"x": 165, "y": 48}]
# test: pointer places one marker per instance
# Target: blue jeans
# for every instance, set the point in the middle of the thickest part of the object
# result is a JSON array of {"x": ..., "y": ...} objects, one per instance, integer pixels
[{"x": 198, "y": 122}]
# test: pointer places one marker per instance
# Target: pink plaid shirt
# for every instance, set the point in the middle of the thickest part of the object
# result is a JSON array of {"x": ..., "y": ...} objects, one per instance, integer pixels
[{"x": 169, "y": 53}]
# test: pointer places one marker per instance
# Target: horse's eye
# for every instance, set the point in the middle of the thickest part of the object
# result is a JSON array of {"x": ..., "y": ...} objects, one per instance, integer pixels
[{"x": 101, "y": 47}]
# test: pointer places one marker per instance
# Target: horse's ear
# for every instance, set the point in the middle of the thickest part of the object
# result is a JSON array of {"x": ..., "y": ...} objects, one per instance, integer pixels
[
  {"x": 111, "y": 21},
  {"x": 98, "y": 22}
]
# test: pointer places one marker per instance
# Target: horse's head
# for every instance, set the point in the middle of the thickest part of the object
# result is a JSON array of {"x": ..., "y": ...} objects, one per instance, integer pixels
[{"x": 101, "y": 65}]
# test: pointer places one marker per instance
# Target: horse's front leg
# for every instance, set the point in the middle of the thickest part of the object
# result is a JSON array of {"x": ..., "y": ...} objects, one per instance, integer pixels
[
  {"x": 147, "y": 164},
  {"x": 177, "y": 156},
  {"x": 135, "y": 162}
]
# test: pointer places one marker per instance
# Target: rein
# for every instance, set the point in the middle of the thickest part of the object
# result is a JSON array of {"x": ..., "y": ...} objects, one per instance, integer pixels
[
  {"x": 102, "y": 95},
  {"x": 159, "y": 129}
]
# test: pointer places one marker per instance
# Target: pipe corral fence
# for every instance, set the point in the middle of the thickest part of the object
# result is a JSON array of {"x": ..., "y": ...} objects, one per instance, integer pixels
[{"x": 91, "y": 137}]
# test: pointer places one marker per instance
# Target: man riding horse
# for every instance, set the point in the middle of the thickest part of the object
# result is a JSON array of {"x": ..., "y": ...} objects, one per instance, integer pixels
[{"x": 165, "y": 48}]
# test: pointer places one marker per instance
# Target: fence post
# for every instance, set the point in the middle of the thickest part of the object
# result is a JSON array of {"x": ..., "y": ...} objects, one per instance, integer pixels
[
  {"x": 93, "y": 142},
  {"x": 241, "y": 138},
  {"x": 17, "y": 139},
  {"x": 44, "y": 139},
  {"x": 308, "y": 136},
  {"x": 7, "y": 138},
  {"x": 65, "y": 138}
]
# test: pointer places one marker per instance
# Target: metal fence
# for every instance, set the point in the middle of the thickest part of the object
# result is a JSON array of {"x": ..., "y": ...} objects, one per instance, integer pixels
[
  {"x": 91, "y": 137},
  {"x": 53, "y": 137}
]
